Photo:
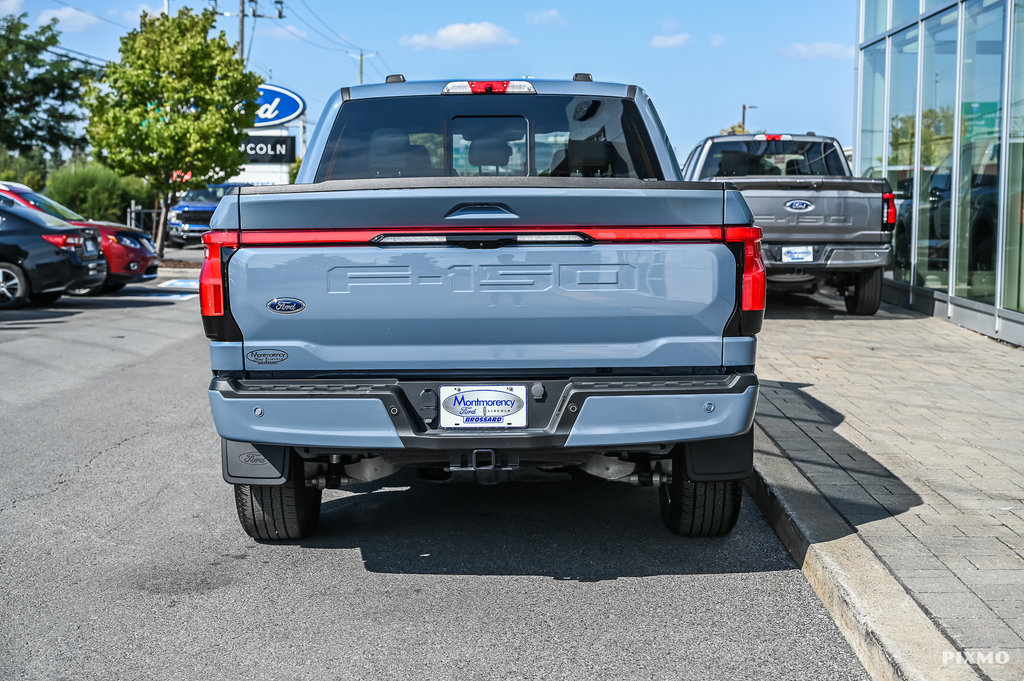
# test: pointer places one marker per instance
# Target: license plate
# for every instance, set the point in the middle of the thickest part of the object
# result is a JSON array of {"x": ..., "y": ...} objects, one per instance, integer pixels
[
  {"x": 797, "y": 254},
  {"x": 90, "y": 246},
  {"x": 483, "y": 406}
]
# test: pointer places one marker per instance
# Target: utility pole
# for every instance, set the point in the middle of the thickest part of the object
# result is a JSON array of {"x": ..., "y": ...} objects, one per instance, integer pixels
[
  {"x": 254, "y": 13},
  {"x": 360, "y": 57},
  {"x": 743, "y": 118},
  {"x": 241, "y": 30}
]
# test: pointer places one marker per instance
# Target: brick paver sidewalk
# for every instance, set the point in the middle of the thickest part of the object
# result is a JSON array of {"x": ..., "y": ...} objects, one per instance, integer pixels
[{"x": 913, "y": 428}]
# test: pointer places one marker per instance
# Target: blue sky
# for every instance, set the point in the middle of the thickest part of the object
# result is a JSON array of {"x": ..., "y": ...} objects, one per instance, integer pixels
[{"x": 700, "y": 61}]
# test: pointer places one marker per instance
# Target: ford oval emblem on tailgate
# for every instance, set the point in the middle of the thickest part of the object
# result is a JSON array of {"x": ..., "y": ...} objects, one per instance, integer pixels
[
  {"x": 799, "y": 205},
  {"x": 286, "y": 305}
]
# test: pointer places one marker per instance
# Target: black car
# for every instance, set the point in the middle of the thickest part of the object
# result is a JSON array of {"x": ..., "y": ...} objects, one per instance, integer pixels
[{"x": 42, "y": 256}]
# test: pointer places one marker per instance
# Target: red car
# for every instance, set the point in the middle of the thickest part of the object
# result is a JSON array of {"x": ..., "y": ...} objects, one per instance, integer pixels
[{"x": 131, "y": 256}]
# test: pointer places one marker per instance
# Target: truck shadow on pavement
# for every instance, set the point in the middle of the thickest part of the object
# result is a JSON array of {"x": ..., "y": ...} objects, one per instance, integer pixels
[
  {"x": 580, "y": 531},
  {"x": 860, "y": 488},
  {"x": 824, "y": 306}
]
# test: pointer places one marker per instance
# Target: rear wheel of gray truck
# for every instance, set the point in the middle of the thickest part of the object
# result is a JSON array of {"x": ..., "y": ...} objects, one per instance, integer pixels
[
  {"x": 698, "y": 509},
  {"x": 279, "y": 512},
  {"x": 864, "y": 297}
]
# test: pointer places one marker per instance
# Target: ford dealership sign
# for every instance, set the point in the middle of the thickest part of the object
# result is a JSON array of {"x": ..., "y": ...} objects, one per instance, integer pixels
[{"x": 276, "y": 106}]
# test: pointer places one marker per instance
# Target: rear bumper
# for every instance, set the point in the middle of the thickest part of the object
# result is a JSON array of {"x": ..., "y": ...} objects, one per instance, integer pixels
[
  {"x": 829, "y": 257},
  {"x": 575, "y": 413},
  {"x": 87, "y": 273}
]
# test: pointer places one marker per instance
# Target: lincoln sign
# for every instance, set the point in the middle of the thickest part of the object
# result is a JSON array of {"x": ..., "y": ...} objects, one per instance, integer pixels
[{"x": 269, "y": 149}]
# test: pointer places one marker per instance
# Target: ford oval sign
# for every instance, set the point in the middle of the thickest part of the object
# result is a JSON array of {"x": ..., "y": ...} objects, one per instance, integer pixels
[
  {"x": 799, "y": 206},
  {"x": 277, "y": 106},
  {"x": 286, "y": 305}
]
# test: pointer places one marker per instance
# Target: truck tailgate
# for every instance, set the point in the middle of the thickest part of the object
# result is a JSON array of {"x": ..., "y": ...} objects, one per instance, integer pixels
[
  {"x": 815, "y": 209},
  {"x": 369, "y": 308},
  {"x": 374, "y": 307}
]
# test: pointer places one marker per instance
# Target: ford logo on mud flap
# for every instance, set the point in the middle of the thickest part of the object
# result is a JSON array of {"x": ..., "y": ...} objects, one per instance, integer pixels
[
  {"x": 286, "y": 305},
  {"x": 482, "y": 403},
  {"x": 799, "y": 205}
]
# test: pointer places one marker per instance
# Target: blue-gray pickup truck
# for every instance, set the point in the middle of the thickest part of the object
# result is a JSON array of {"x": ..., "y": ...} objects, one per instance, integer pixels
[{"x": 476, "y": 276}]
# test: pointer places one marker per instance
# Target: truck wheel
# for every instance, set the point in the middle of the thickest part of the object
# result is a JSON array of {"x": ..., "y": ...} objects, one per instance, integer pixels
[
  {"x": 13, "y": 286},
  {"x": 699, "y": 509},
  {"x": 864, "y": 297},
  {"x": 279, "y": 512}
]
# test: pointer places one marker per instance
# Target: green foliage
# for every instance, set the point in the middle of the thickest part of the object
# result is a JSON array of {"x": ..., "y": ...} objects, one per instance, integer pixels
[
  {"x": 95, "y": 191},
  {"x": 735, "y": 129},
  {"x": 28, "y": 167},
  {"x": 39, "y": 91},
  {"x": 171, "y": 104},
  {"x": 293, "y": 170}
]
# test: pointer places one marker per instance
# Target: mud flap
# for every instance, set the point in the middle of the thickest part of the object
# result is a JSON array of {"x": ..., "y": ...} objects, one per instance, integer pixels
[
  {"x": 727, "y": 458},
  {"x": 246, "y": 463}
]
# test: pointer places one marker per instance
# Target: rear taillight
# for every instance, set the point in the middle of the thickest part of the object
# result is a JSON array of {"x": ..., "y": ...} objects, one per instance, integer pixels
[
  {"x": 68, "y": 242},
  {"x": 754, "y": 277},
  {"x": 888, "y": 211},
  {"x": 211, "y": 277},
  {"x": 754, "y": 280}
]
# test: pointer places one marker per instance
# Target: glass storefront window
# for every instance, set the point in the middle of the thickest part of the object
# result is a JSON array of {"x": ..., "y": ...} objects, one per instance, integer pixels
[
  {"x": 902, "y": 108},
  {"x": 978, "y": 181},
  {"x": 1013, "y": 298},
  {"x": 904, "y": 10},
  {"x": 872, "y": 110},
  {"x": 938, "y": 102},
  {"x": 874, "y": 18}
]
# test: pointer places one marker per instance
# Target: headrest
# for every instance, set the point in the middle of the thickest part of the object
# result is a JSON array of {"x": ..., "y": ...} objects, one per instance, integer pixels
[{"x": 489, "y": 152}]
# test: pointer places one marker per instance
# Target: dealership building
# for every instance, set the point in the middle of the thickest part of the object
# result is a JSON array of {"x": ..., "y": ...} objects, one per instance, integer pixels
[{"x": 940, "y": 114}]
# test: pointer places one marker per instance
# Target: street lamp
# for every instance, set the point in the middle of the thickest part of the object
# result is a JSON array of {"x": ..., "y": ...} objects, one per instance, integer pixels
[{"x": 743, "y": 118}]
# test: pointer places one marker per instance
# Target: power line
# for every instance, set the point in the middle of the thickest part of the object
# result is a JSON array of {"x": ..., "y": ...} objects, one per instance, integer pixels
[
  {"x": 53, "y": 51},
  {"x": 340, "y": 38},
  {"x": 306, "y": 40},
  {"x": 94, "y": 16}
]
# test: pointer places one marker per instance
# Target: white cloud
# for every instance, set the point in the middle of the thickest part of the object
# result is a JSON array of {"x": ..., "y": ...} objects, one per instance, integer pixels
[
  {"x": 818, "y": 51},
  {"x": 549, "y": 17},
  {"x": 665, "y": 41},
  {"x": 462, "y": 36},
  {"x": 132, "y": 15},
  {"x": 288, "y": 32},
  {"x": 70, "y": 19},
  {"x": 11, "y": 6},
  {"x": 717, "y": 40}
]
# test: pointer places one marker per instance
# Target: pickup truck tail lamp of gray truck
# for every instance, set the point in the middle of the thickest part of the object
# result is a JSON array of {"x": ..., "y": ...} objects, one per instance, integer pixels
[
  {"x": 821, "y": 225},
  {"x": 598, "y": 320}
]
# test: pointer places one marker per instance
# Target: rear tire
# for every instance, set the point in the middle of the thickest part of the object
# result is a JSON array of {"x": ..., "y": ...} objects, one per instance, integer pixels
[
  {"x": 86, "y": 291},
  {"x": 279, "y": 512},
  {"x": 13, "y": 286},
  {"x": 46, "y": 298},
  {"x": 699, "y": 509},
  {"x": 865, "y": 296}
]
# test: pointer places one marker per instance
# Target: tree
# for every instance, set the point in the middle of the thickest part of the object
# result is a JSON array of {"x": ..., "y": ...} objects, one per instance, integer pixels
[
  {"x": 39, "y": 88},
  {"x": 95, "y": 191},
  {"x": 734, "y": 129},
  {"x": 169, "y": 110},
  {"x": 28, "y": 168}
]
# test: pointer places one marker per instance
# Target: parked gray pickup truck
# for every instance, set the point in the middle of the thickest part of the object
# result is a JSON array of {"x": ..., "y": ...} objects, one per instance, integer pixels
[
  {"x": 821, "y": 224},
  {"x": 474, "y": 276}
]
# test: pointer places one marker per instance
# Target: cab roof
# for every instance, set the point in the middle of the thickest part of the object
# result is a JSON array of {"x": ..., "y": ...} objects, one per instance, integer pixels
[{"x": 543, "y": 87}]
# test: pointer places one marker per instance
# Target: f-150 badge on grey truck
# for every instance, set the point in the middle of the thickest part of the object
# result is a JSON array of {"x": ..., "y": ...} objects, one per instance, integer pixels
[
  {"x": 474, "y": 276},
  {"x": 821, "y": 224}
]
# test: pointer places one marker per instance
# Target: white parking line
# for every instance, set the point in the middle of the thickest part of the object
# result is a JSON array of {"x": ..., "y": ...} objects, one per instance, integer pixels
[{"x": 181, "y": 284}]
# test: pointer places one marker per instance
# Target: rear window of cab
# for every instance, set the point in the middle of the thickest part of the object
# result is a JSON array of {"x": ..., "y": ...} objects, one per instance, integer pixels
[{"x": 489, "y": 135}]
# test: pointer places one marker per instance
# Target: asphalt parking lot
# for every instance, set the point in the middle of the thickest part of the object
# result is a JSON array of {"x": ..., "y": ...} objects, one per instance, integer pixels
[{"x": 121, "y": 556}]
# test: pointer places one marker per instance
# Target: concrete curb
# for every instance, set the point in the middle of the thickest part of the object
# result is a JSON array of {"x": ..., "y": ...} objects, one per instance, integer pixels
[{"x": 894, "y": 639}]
